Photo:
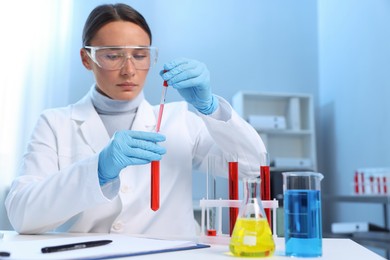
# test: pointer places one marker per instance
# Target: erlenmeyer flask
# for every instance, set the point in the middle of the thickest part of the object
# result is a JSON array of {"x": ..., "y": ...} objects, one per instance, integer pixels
[{"x": 252, "y": 234}]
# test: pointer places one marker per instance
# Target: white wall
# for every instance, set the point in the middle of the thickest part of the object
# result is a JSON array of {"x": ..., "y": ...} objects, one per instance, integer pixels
[{"x": 354, "y": 65}]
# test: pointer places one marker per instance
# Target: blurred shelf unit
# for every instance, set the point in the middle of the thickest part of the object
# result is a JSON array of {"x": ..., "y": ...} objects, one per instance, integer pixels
[{"x": 285, "y": 122}]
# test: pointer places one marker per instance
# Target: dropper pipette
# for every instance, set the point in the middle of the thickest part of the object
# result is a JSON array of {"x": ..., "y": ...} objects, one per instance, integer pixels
[
  {"x": 162, "y": 103},
  {"x": 155, "y": 165}
]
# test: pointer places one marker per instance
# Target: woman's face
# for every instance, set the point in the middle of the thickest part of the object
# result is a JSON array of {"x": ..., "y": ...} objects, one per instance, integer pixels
[{"x": 127, "y": 82}]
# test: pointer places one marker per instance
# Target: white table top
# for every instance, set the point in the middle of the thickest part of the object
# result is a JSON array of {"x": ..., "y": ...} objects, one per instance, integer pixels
[{"x": 333, "y": 249}]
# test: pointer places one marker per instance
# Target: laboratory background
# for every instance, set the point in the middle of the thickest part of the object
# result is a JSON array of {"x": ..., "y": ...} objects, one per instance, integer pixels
[{"x": 337, "y": 52}]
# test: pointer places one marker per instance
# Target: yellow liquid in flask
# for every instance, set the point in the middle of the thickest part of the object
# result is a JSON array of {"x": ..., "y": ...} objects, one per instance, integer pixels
[{"x": 252, "y": 237}]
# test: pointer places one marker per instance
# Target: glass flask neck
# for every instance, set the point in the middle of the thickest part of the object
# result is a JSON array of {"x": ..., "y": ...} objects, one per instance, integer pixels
[{"x": 252, "y": 206}]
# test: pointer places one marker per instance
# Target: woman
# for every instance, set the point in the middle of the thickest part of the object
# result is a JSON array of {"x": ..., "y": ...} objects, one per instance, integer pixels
[{"x": 87, "y": 166}]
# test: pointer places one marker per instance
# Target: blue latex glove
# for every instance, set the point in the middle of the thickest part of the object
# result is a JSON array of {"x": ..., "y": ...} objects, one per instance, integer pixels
[
  {"x": 192, "y": 79},
  {"x": 128, "y": 148}
]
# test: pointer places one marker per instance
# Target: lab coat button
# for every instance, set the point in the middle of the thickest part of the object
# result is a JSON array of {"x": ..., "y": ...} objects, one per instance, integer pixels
[
  {"x": 125, "y": 189},
  {"x": 117, "y": 226}
]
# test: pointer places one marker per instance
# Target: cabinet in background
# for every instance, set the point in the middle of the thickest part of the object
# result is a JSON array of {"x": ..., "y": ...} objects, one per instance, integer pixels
[{"x": 285, "y": 122}]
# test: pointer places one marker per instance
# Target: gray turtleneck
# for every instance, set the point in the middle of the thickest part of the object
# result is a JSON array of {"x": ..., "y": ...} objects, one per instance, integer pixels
[{"x": 115, "y": 114}]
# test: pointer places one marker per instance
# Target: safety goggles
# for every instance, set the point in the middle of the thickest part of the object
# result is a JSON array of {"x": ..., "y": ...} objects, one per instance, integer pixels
[{"x": 115, "y": 57}]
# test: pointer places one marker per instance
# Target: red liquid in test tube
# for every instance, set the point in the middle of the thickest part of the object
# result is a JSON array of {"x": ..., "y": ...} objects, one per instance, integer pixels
[
  {"x": 155, "y": 165},
  {"x": 356, "y": 182},
  {"x": 266, "y": 189},
  {"x": 211, "y": 232},
  {"x": 155, "y": 186},
  {"x": 233, "y": 193}
]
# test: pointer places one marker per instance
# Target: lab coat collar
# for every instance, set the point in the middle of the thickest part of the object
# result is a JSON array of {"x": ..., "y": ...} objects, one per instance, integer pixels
[
  {"x": 91, "y": 126},
  {"x": 93, "y": 129}
]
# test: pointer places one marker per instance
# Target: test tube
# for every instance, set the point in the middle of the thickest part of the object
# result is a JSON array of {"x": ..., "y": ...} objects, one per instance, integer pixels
[
  {"x": 233, "y": 193},
  {"x": 265, "y": 183},
  {"x": 266, "y": 188},
  {"x": 211, "y": 194},
  {"x": 155, "y": 185},
  {"x": 356, "y": 182},
  {"x": 155, "y": 165}
]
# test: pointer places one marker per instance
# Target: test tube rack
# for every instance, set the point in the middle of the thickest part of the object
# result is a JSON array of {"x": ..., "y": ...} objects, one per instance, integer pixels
[{"x": 224, "y": 239}]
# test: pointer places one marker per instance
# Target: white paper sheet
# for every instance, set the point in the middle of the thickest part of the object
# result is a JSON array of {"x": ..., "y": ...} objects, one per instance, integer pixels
[{"x": 121, "y": 245}]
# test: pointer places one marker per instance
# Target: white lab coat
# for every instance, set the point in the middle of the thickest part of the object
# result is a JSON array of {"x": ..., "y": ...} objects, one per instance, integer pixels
[{"x": 59, "y": 188}]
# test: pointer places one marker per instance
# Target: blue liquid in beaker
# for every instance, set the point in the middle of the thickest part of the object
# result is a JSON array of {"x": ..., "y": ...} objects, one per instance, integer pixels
[{"x": 303, "y": 225}]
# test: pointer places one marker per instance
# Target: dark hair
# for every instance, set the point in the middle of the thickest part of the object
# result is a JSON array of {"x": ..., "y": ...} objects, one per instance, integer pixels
[{"x": 104, "y": 14}]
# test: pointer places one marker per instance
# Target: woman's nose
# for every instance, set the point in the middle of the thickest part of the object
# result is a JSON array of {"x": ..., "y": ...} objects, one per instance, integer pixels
[{"x": 128, "y": 67}]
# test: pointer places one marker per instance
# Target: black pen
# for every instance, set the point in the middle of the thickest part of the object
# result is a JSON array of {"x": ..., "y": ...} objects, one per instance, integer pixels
[
  {"x": 4, "y": 254},
  {"x": 80, "y": 245}
]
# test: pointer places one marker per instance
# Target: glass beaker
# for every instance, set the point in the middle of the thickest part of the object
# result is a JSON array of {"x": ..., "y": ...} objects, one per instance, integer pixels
[
  {"x": 252, "y": 234},
  {"x": 302, "y": 213}
]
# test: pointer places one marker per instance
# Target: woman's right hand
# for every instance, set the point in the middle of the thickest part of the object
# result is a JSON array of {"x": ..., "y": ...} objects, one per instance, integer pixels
[{"x": 128, "y": 148}]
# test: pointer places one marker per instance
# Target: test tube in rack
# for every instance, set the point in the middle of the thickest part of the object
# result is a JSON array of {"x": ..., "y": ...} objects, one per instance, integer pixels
[
  {"x": 211, "y": 195},
  {"x": 233, "y": 193}
]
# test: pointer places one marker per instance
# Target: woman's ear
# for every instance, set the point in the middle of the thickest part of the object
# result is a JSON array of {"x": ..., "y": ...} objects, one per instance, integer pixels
[{"x": 85, "y": 59}]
